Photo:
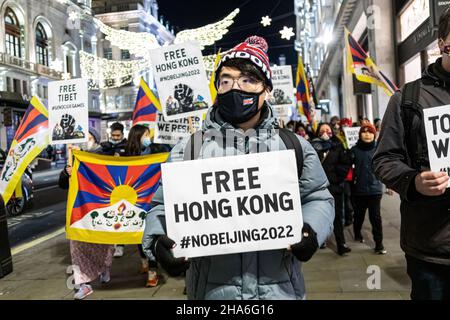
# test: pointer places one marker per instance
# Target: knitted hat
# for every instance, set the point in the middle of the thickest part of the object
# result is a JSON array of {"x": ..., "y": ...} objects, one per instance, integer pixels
[
  {"x": 95, "y": 134},
  {"x": 368, "y": 127},
  {"x": 346, "y": 122},
  {"x": 253, "y": 49}
]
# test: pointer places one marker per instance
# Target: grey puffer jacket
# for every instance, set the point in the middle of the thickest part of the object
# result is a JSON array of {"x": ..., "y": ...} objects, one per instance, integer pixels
[{"x": 274, "y": 274}]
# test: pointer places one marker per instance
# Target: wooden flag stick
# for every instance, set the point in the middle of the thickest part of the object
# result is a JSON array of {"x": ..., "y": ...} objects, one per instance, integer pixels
[
  {"x": 70, "y": 155},
  {"x": 191, "y": 125}
]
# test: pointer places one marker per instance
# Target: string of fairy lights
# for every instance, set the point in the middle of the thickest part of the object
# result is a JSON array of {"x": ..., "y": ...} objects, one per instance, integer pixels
[{"x": 105, "y": 73}]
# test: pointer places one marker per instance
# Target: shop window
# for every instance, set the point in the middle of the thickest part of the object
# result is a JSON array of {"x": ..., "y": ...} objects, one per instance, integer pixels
[{"x": 413, "y": 16}]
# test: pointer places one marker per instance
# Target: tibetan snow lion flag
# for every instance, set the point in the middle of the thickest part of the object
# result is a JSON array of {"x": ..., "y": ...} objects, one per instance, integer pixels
[
  {"x": 109, "y": 197},
  {"x": 362, "y": 66},
  {"x": 302, "y": 91},
  {"x": 30, "y": 139},
  {"x": 147, "y": 106}
]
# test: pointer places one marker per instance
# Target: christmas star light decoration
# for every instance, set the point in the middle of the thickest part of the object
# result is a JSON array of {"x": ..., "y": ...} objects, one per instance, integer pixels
[
  {"x": 73, "y": 15},
  {"x": 265, "y": 21},
  {"x": 66, "y": 76},
  {"x": 287, "y": 33}
]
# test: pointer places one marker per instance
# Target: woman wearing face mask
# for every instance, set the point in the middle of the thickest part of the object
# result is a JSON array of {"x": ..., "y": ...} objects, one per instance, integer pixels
[
  {"x": 90, "y": 260},
  {"x": 139, "y": 143},
  {"x": 336, "y": 163},
  {"x": 302, "y": 131}
]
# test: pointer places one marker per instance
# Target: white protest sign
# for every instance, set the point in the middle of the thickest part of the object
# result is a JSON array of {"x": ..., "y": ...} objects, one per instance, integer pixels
[
  {"x": 171, "y": 132},
  {"x": 318, "y": 115},
  {"x": 352, "y": 136},
  {"x": 68, "y": 111},
  {"x": 181, "y": 80},
  {"x": 282, "y": 96},
  {"x": 437, "y": 128},
  {"x": 233, "y": 204}
]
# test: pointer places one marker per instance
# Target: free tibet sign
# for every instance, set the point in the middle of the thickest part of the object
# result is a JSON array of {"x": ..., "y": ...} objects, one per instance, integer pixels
[{"x": 233, "y": 204}]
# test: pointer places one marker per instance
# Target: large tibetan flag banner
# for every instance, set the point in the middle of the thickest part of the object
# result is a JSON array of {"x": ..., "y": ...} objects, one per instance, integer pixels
[
  {"x": 362, "y": 66},
  {"x": 30, "y": 139},
  {"x": 109, "y": 197},
  {"x": 147, "y": 106},
  {"x": 302, "y": 91}
]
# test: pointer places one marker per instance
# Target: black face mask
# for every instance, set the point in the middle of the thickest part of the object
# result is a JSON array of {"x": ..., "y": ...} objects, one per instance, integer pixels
[{"x": 238, "y": 106}]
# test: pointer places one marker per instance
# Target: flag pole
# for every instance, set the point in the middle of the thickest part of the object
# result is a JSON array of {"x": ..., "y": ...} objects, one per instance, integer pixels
[
  {"x": 191, "y": 125},
  {"x": 70, "y": 155}
]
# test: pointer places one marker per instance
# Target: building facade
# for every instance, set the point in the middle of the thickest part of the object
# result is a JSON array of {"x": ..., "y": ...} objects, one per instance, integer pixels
[
  {"x": 400, "y": 36},
  {"x": 39, "y": 43}
]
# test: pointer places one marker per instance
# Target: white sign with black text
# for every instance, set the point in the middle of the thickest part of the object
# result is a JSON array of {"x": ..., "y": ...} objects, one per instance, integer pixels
[
  {"x": 171, "y": 132},
  {"x": 68, "y": 111},
  {"x": 437, "y": 128},
  {"x": 233, "y": 204},
  {"x": 352, "y": 136},
  {"x": 181, "y": 80},
  {"x": 282, "y": 95}
]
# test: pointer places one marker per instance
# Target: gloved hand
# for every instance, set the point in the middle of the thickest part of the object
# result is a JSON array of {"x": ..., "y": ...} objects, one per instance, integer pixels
[
  {"x": 305, "y": 249},
  {"x": 161, "y": 250}
]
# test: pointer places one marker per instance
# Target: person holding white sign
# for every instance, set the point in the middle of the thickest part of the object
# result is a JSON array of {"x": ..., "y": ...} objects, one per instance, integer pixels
[
  {"x": 403, "y": 162},
  {"x": 247, "y": 125}
]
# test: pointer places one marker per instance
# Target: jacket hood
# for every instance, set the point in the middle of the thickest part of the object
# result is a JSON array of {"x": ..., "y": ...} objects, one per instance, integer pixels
[{"x": 435, "y": 75}]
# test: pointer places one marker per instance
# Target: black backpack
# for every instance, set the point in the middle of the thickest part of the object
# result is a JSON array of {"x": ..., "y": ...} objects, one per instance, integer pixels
[
  {"x": 409, "y": 108},
  {"x": 290, "y": 140}
]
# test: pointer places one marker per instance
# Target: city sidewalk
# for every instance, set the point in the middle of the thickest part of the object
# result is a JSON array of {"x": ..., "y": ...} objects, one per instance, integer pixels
[{"x": 40, "y": 271}]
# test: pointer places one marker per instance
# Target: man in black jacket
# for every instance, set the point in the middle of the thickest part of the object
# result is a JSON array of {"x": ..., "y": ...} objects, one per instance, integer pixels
[
  {"x": 117, "y": 143},
  {"x": 401, "y": 162}
]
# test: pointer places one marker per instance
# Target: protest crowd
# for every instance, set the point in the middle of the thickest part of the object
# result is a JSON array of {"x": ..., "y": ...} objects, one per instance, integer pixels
[{"x": 291, "y": 187}]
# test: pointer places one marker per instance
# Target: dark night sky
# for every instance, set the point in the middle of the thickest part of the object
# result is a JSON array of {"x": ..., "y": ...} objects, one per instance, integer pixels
[{"x": 189, "y": 14}]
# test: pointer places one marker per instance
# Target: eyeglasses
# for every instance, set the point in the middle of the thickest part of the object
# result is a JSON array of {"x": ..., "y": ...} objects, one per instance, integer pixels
[{"x": 245, "y": 83}]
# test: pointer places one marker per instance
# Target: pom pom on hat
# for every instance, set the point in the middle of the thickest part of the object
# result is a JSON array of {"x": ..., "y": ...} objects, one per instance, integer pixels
[{"x": 257, "y": 42}]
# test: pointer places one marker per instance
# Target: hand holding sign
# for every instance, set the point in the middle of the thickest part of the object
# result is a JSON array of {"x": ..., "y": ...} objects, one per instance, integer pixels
[
  {"x": 163, "y": 253},
  {"x": 305, "y": 249},
  {"x": 432, "y": 183}
]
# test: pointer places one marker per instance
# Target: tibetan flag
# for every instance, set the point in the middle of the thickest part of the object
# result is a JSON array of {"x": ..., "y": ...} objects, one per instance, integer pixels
[
  {"x": 212, "y": 87},
  {"x": 147, "y": 106},
  {"x": 362, "y": 66},
  {"x": 30, "y": 139},
  {"x": 109, "y": 197},
  {"x": 302, "y": 94}
]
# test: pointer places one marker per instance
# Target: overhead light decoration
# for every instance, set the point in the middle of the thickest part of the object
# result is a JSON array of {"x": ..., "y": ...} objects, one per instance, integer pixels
[
  {"x": 73, "y": 15},
  {"x": 137, "y": 43},
  {"x": 103, "y": 73},
  {"x": 287, "y": 33},
  {"x": 66, "y": 76},
  {"x": 266, "y": 21},
  {"x": 110, "y": 73},
  {"x": 208, "y": 34}
]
